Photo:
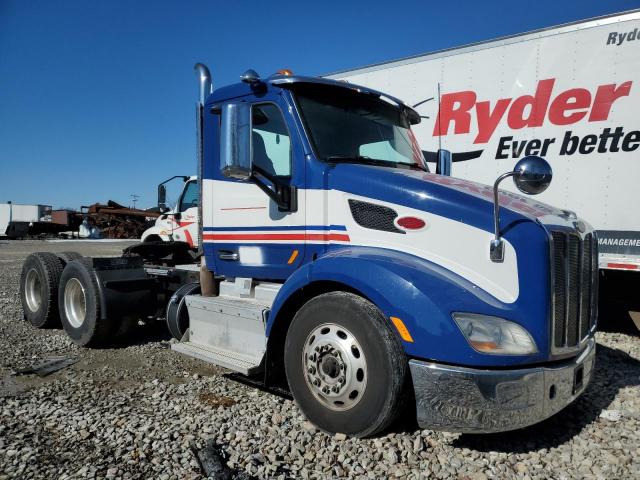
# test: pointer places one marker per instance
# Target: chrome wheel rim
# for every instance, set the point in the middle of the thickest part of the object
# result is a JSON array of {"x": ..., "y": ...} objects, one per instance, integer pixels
[
  {"x": 75, "y": 302},
  {"x": 33, "y": 290},
  {"x": 334, "y": 366}
]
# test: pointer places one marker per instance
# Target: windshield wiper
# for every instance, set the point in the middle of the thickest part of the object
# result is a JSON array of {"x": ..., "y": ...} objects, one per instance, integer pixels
[
  {"x": 373, "y": 161},
  {"x": 416, "y": 166},
  {"x": 361, "y": 159},
  {"x": 352, "y": 159}
]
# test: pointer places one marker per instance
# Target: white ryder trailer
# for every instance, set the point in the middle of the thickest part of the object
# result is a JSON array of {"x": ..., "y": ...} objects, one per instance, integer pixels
[{"x": 569, "y": 93}]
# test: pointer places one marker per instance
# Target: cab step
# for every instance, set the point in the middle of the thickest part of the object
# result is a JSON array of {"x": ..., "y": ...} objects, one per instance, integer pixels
[
  {"x": 223, "y": 358},
  {"x": 229, "y": 330}
]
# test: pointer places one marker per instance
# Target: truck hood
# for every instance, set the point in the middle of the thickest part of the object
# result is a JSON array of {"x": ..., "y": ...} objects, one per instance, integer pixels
[{"x": 454, "y": 198}]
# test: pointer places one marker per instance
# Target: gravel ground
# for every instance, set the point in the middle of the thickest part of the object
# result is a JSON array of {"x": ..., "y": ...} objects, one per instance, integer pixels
[{"x": 136, "y": 411}]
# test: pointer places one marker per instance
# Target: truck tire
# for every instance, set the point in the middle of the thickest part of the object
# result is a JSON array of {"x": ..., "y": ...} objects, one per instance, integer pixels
[
  {"x": 345, "y": 366},
  {"x": 67, "y": 257},
  {"x": 177, "y": 314},
  {"x": 79, "y": 301},
  {"x": 39, "y": 283}
]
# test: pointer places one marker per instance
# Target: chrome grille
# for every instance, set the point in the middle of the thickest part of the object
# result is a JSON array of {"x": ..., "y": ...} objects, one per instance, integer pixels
[{"x": 574, "y": 276}]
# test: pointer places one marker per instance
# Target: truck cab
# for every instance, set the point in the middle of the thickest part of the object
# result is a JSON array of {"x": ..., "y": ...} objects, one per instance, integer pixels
[
  {"x": 320, "y": 187},
  {"x": 336, "y": 265}
]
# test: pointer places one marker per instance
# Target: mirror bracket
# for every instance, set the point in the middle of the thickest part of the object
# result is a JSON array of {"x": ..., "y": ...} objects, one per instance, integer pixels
[
  {"x": 496, "y": 247},
  {"x": 531, "y": 175},
  {"x": 496, "y": 250},
  {"x": 292, "y": 200}
]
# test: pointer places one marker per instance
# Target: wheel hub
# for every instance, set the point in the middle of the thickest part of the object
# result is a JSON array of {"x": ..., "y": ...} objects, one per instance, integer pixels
[
  {"x": 33, "y": 290},
  {"x": 75, "y": 302},
  {"x": 330, "y": 366},
  {"x": 335, "y": 366}
]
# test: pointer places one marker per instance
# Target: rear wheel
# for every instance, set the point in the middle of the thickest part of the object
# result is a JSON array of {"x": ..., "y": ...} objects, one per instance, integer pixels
[
  {"x": 79, "y": 302},
  {"x": 345, "y": 366},
  {"x": 39, "y": 289},
  {"x": 67, "y": 257}
]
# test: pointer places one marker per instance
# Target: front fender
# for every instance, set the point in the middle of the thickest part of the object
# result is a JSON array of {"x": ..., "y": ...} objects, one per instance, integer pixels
[
  {"x": 155, "y": 230},
  {"x": 423, "y": 295}
]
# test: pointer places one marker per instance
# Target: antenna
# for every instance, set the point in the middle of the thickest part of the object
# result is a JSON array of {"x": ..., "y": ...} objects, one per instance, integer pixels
[{"x": 134, "y": 197}]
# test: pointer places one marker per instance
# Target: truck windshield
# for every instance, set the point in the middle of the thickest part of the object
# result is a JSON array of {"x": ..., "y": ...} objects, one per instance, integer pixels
[{"x": 348, "y": 126}]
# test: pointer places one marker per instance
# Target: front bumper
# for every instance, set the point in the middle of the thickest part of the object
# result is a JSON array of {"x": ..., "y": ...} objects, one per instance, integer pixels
[{"x": 459, "y": 399}]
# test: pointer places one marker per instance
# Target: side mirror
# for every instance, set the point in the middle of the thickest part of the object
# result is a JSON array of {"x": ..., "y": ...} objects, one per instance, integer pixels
[
  {"x": 443, "y": 165},
  {"x": 162, "y": 198},
  {"x": 235, "y": 136},
  {"x": 532, "y": 175}
]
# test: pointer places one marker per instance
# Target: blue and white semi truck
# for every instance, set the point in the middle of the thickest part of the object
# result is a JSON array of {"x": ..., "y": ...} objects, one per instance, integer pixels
[{"x": 335, "y": 264}]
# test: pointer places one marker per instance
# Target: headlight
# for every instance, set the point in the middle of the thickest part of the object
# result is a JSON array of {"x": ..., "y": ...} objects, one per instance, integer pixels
[{"x": 495, "y": 335}]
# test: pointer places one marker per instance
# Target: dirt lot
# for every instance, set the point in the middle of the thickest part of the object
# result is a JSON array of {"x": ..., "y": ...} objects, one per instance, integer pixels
[{"x": 138, "y": 410}]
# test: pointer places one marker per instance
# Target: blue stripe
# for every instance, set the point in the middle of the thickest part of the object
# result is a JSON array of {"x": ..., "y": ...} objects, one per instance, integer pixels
[{"x": 275, "y": 228}]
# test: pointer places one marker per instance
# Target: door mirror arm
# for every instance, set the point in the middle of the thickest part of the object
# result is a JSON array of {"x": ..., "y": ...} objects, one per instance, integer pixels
[{"x": 285, "y": 196}]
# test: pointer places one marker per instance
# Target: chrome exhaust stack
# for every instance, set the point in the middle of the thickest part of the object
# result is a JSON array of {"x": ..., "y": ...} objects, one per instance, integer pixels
[
  {"x": 205, "y": 89},
  {"x": 204, "y": 80}
]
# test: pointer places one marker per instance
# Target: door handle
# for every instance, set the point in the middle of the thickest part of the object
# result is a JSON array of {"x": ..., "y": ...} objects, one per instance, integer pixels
[{"x": 227, "y": 255}]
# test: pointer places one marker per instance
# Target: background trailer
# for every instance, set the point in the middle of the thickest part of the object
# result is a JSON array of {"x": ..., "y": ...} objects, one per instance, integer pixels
[
  {"x": 568, "y": 93},
  {"x": 15, "y": 212}
]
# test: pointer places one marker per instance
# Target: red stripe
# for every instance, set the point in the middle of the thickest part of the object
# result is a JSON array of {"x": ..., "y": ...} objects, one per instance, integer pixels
[
  {"x": 189, "y": 239},
  {"x": 623, "y": 266},
  {"x": 182, "y": 224},
  {"x": 277, "y": 236}
]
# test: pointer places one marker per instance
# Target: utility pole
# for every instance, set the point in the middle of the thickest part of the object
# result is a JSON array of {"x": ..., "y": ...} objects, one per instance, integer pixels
[{"x": 134, "y": 197}]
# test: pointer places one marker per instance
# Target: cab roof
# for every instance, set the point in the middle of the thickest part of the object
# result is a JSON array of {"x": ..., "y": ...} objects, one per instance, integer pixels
[{"x": 281, "y": 81}]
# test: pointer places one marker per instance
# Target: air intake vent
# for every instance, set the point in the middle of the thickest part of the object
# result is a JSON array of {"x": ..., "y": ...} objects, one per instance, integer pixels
[{"x": 375, "y": 217}]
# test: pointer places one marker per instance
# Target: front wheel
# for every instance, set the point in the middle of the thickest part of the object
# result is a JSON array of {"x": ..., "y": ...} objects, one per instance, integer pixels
[{"x": 345, "y": 366}]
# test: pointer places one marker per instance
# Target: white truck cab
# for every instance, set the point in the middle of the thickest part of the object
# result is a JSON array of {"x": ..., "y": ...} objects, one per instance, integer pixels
[{"x": 180, "y": 224}]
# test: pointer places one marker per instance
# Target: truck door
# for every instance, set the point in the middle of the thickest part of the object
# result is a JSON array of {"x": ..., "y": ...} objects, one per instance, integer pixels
[
  {"x": 185, "y": 220},
  {"x": 251, "y": 236}
]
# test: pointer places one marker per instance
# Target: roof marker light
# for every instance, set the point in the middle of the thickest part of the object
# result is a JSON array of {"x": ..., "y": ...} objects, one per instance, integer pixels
[{"x": 285, "y": 71}]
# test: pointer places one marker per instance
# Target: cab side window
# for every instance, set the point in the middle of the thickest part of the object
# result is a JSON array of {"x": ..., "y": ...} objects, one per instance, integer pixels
[
  {"x": 270, "y": 140},
  {"x": 189, "y": 197}
]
